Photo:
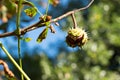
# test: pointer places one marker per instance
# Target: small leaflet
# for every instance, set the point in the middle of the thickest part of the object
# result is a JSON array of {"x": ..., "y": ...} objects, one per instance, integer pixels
[
  {"x": 28, "y": 39},
  {"x": 31, "y": 12},
  {"x": 43, "y": 35}
]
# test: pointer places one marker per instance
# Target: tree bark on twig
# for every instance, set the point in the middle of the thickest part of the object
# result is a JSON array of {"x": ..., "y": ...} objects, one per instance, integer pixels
[{"x": 41, "y": 24}]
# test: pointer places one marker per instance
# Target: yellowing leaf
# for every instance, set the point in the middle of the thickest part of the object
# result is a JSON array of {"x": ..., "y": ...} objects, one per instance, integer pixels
[
  {"x": 28, "y": 39},
  {"x": 31, "y": 11},
  {"x": 42, "y": 35}
]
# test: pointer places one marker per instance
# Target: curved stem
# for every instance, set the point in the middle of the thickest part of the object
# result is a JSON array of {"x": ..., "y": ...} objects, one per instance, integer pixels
[
  {"x": 13, "y": 61},
  {"x": 74, "y": 21},
  {"x": 20, "y": 58},
  {"x": 18, "y": 33}
]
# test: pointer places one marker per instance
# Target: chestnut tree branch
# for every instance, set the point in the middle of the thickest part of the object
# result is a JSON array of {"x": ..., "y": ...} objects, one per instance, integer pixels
[{"x": 42, "y": 24}]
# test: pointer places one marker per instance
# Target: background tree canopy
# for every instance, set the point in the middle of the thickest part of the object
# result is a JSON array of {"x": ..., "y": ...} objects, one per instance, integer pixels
[{"x": 99, "y": 59}]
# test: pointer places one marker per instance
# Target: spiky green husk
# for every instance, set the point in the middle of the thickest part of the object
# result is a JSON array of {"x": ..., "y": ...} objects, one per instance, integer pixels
[{"x": 76, "y": 37}]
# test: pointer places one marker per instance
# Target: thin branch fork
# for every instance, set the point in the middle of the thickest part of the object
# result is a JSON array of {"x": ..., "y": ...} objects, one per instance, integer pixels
[{"x": 41, "y": 24}]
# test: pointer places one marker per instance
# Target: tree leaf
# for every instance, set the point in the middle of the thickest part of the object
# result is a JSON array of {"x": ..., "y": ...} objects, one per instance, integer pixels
[
  {"x": 31, "y": 11},
  {"x": 42, "y": 35},
  {"x": 27, "y": 39}
]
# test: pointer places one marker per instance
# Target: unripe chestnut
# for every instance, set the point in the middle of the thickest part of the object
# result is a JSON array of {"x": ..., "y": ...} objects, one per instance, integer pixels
[{"x": 76, "y": 37}]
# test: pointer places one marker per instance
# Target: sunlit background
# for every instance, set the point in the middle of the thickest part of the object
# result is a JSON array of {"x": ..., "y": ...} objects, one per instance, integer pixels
[{"x": 53, "y": 59}]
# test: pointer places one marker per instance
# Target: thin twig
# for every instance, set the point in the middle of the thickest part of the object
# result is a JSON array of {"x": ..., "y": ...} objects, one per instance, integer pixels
[
  {"x": 39, "y": 24},
  {"x": 74, "y": 21},
  {"x": 18, "y": 33},
  {"x": 13, "y": 61}
]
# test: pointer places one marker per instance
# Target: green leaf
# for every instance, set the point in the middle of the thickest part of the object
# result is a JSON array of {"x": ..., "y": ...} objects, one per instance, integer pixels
[
  {"x": 27, "y": 39},
  {"x": 42, "y": 35},
  {"x": 31, "y": 11}
]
